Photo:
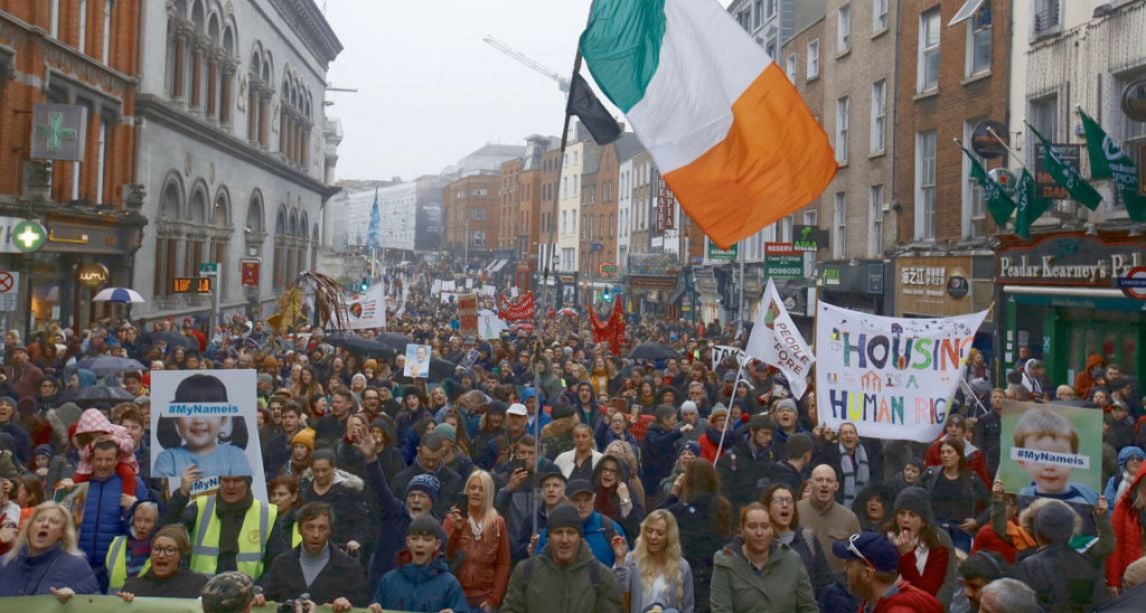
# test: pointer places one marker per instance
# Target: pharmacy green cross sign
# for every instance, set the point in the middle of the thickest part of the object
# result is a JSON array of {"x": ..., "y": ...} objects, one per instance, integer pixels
[
  {"x": 58, "y": 132},
  {"x": 29, "y": 236}
]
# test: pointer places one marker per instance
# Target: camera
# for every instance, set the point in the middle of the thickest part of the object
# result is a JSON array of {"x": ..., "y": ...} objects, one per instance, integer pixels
[{"x": 301, "y": 604}]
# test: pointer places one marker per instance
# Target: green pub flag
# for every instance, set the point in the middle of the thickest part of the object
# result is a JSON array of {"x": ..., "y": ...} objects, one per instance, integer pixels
[
  {"x": 1067, "y": 176},
  {"x": 1030, "y": 205},
  {"x": 1109, "y": 161},
  {"x": 999, "y": 205}
]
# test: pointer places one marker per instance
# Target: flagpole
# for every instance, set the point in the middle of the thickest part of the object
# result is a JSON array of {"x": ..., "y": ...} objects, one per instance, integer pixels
[
  {"x": 1002, "y": 142},
  {"x": 728, "y": 416}
]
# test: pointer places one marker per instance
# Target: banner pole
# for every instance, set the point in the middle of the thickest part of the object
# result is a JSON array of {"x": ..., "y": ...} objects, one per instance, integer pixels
[{"x": 728, "y": 417}]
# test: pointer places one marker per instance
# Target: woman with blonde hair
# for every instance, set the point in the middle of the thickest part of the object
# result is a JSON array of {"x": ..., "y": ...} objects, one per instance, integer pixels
[
  {"x": 655, "y": 573},
  {"x": 46, "y": 559},
  {"x": 477, "y": 534}
]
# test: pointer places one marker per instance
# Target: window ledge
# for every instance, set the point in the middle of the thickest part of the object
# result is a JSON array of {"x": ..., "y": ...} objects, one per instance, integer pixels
[
  {"x": 842, "y": 54},
  {"x": 931, "y": 93},
  {"x": 975, "y": 78},
  {"x": 877, "y": 154},
  {"x": 841, "y": 164},
  {"x": 880, "y": 33},
  {"x": 811, "y": 79}
]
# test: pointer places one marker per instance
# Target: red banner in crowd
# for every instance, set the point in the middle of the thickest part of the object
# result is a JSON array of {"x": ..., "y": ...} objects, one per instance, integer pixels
[
  {"x": 612, "y": 331},
  {"x": 520, "y": 310}
]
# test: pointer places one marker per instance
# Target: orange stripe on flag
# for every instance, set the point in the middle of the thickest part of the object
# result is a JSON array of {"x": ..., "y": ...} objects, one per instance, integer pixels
[{"x": 775, "y": 159}]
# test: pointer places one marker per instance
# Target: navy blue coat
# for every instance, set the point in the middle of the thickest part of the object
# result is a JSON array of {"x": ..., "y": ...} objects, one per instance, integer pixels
[
  {"x": 430, "y": 588},
  {"x": 104, "y": 519},
  {"x": 659, "y": 455},
  {"x": 32, "y": 576}
]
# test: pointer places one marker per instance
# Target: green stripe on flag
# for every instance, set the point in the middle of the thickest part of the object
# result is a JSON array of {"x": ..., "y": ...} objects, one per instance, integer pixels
[
  {"x": 1065, "y": 175},
  {"x": 998, "y": 204},
  {"x": 622, "y": 45}
]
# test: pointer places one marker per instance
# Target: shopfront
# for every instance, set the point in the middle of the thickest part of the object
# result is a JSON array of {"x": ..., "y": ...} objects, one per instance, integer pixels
[
  {"x": 858, "y": 286},
  {"x": 946, "y": 286},
  {"x": 1061, "y": 300}
]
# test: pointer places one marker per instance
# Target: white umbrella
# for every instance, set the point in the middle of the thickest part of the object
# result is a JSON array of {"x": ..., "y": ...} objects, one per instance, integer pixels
[{"x": 118, "y": 294}]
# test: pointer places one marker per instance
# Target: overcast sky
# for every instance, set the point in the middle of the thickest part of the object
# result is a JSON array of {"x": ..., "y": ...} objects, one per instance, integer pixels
[{"x": 430, "y": 91}]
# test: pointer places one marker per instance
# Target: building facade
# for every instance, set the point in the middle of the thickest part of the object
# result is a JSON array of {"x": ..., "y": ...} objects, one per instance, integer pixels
[
  {"x": 233, "y": 145},
  {"x": 471, "y": 208},
  {"x": 69, "y": 169}
]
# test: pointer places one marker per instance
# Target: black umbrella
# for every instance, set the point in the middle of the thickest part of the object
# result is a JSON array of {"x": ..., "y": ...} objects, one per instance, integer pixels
[
  {"x": 99, "y": 393},
  {"x": 110, "y": 365},
  {"x": 653, "y": 351},
  {"x": 394, "y": 341},
  {"x": 361, "y": 346},
  {"x": 441, "y": 369},
  {"x": 174, "y": 339}
]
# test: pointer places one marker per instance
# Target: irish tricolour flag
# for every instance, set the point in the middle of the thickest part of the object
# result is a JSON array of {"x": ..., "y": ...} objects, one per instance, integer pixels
[{"x": 729, "y": 133}]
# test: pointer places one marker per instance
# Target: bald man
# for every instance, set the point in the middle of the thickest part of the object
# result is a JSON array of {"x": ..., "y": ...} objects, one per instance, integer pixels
[{"x": 830, "y": 520}]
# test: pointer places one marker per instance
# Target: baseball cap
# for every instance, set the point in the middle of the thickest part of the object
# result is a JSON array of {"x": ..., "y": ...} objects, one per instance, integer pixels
[
  {"x": 517, "y": 409},
  {"x": 578, "y": 486},
  {"x": 869, "y": 547},
  {"x": 229, "y": 592}
]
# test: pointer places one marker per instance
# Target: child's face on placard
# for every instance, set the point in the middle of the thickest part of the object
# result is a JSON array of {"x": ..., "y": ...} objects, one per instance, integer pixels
[
  {"x": 1048, "y": 478},
  {"x": 200, "y": 433}
]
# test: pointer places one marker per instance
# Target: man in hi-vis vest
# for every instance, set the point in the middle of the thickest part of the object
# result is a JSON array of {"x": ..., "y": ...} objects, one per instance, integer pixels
[{"x": 230, "y": 530}]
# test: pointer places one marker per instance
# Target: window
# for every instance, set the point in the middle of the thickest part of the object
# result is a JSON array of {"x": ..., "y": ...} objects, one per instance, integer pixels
[
  {"x": 1133, "y": 132},
  {"x": 878, "y": 116},
  {"x": 771, "y": 49},
  {"x": 757, "y": 13},
  {"x": 878, "y": 16},
  {"x": 106, "y": 47},
  {"x": 576, "y": 180},
  {"x": 82, "y": 18},
  {"x": 477, "y": 214},
  {"x": 974, "y": 202},
  {"x": 813, "y": 60},
  {"x": 1046, "y": 17},
  {"x": 840, "y": 225},
  {"x": 564, "y": 187},
  {"x": 745, "y": 19},
  {"x": 770, "y": 11},
  {"x": 979, "y": 40},
  {"x": 564, "y": 222},
  {"x": 479, "y": 192},
  {"x": 844, "y": 29},
  {"x": 101, "y": 160},
  {"x": 791, "y": 67},
  {"x": 785, "y": 230},
  {"x": 54, "y": 18},
  {"x": 925, "y": 185},
  {"x": 811, "y": 218},
  {"x": 875, "y": 221},
  {"x": 1044, "y": 117},
  {"x": 928, "y": 75},
  {"x": 842, "y": 106},
  {"x": 478, "y": 237},
  {"x": 567, "y": 259}
]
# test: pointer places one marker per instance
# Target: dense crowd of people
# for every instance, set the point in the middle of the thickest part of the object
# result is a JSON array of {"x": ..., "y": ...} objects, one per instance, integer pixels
[{"x": 539, "y": 472}]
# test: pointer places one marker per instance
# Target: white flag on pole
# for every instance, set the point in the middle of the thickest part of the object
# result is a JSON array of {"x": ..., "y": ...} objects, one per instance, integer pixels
[{"x": 776, "y": 341}]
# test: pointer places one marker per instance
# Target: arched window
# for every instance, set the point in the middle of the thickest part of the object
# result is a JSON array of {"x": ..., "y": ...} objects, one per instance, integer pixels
[
  {"x": 167, "y": 239},
  {"x": 279, "y": 280},
  {"x": 196, "y": 241},
  {"x": 221, "y": 235}
]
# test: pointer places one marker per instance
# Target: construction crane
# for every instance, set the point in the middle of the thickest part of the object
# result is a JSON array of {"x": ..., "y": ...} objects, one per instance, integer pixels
[{"x": 562, "y": 82}]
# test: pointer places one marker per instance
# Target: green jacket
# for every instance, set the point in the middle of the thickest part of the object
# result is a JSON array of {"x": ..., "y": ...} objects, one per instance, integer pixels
[
  {"x": 539, "y": 585},
  {"x": 782, "y": 586}
]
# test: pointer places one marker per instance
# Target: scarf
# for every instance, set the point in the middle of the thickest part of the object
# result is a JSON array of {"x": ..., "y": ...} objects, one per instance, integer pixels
[
  {"x": 1123, "y": 485},
  {"x": 231, "y": 523},
  {"x": 1022, "y": 539},
  {"x": 856, "y": 473}
]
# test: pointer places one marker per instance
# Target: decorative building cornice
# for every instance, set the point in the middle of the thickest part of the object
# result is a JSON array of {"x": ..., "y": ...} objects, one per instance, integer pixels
[
  {"x": 152, "y": 107},
  {"x": 311, "y": 26}
]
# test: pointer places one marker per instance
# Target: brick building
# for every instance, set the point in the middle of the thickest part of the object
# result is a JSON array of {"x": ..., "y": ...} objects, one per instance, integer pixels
[
  {"x": 950, "y": 80},
  {"x": 83, "y": 55},
  {"x": 511, "y": 194},
  {"x": 471, "y": 213}
]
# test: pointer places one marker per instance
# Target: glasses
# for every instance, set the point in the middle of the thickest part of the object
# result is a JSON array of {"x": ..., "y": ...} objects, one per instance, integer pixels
[
  {"x": 164, "y": 551},
  {"x": 784, "y": 502}
]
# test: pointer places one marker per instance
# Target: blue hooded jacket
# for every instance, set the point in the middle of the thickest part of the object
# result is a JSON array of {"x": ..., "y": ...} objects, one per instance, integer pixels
[
  {"x": 413, "y": 587},
  {"x": 596, "y": 535},
  {"x": 1112, "y": 484}
]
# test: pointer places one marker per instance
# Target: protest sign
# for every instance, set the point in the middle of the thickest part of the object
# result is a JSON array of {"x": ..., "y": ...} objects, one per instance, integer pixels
[
  {"x": 367, "y": 310},
  {"x": 892, "y": 377},
  {"x": 417, "y": 361},
  {"x": 206, "y": 418},
  {"x": 468, "y": 314},
  {"x": 721, "y": 353},
  {"x": 489, "y": 326},
  {"x": 1051, "y": 450},
  {"x": 521, "y": 309},
  {"x": 776, "y": 341}
]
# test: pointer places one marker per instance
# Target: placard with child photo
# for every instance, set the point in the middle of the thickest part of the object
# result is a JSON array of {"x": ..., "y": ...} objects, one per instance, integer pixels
[
  {"x": 205, "y": 420},
  {"x": 1051, "y": 451}
]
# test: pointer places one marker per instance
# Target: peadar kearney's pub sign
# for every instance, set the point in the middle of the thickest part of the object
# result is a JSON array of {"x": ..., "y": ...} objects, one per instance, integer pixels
[{"x": 1076, "y": 260}]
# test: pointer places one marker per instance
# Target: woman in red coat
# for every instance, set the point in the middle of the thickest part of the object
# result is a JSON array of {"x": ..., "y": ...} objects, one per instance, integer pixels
[{"x": 1127, "y": 530}]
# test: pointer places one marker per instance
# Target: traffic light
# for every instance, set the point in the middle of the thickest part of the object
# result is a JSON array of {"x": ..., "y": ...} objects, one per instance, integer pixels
[
  {"x": 607, "y": 295},
  {"x": 364, "y": 285}
]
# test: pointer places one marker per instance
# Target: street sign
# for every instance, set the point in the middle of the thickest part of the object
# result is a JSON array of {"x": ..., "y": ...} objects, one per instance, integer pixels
[
  {"x": 191, "y": 285},
  {"x": 1134, "y": 283},
  {"x": 608, "y": 268},
  {"x": 9, "y": 290},
  {"x": 809, "y": 238},
  {"x": 716, "y": 253},
  {"x": 208, "y": 268},
  {"x": 29, "y": 236},
  {"x": 783, "y": 261}
]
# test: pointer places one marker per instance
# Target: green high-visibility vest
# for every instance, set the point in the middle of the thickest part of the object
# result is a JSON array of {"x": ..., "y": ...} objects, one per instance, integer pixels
[
  {"x": 253, "y": 537},
  {"x": 117, "y": 564}
]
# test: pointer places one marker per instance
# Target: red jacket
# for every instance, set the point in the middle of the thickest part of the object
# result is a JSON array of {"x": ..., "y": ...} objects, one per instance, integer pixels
[
  {"x": 1127, "y": 533},
  {"x": 909, "y": 599},
  {"x": 976, "y": 463},
  {"x": 934, "y": 572},
  {"x": 987, "y": 540}
]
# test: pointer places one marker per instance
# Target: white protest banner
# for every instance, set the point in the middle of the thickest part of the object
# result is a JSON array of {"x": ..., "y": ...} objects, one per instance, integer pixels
[
  {"x": 207, "y": 419},
  {"x": 367, "y": 310},
  {"x": 721, "y": 353},
  {"x": 892, "y": 377},
  {"x": 436, "y": 286},
  {"x": 488, "y": 290},
  {"x": 448, "y": 286},
  {"x": 776, "y": 341}
]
